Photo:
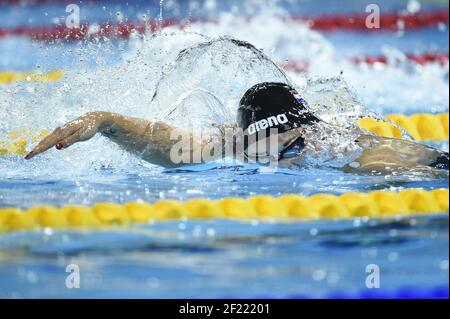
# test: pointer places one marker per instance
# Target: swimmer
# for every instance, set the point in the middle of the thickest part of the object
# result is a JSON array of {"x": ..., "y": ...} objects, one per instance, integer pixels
[{"x": 264, "y": 109}]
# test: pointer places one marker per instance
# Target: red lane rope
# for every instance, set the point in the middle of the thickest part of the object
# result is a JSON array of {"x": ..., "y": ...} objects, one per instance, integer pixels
[
  {"x": 388, "y": 21},
  {"x": 120, "y": 30},
  {"x": 328, "y": 23},
  {"x": 420, "y": 59}
]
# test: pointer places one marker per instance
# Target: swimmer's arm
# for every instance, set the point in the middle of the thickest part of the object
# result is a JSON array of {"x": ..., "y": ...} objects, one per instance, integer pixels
[
  {"x": 150, "y": 140},
  {"x": 153, "y": 141},
  {"x": 156, "y": 142}
]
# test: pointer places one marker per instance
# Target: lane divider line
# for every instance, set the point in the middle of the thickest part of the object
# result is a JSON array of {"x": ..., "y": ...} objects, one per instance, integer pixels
[
  {"x": 11, "y": 77},
  {"x": 298, "y": 66},
  {"x": 388, "y": 21},
  {"x": 423, "y": 127},
  {"x": 420, "y": 59},
  {"x": 378, "y": 204},
  {"x": 347, "y": 22}
]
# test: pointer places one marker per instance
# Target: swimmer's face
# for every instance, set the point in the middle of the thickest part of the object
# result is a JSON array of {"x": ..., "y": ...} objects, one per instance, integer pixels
[{"x": 271, "y": 147}]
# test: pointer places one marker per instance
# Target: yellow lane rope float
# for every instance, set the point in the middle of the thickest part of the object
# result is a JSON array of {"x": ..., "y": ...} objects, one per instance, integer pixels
[
  {"x": 11, "y": 77},
  {"x": 378, "y": 204},
  {"x": 423, "y": 127}
]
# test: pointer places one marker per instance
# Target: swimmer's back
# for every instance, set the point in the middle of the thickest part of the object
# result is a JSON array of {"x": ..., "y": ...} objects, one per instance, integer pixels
[{"x": 391, "y": 154}]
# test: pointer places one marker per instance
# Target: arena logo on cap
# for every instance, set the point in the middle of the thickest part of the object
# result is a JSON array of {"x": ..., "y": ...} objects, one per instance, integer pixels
[{"x": 266, "y": 123}]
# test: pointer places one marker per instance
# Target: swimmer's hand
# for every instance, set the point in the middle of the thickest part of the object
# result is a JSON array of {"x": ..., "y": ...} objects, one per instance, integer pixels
[{"x": 79, "y": 130}]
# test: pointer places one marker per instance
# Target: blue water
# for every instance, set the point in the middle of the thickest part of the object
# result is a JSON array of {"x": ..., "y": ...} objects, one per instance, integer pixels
[
  {"x": 209, "y": 181},
  {"x": 227, "y": 259},
  {"x": 219, "y": 258}
]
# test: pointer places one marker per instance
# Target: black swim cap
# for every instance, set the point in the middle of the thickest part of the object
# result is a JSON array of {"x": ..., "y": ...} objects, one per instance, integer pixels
[{"x": 273, "y": 105}]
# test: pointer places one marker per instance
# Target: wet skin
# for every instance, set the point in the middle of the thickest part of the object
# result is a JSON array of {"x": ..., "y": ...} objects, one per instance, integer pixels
[{"x": 153, "y": 141}]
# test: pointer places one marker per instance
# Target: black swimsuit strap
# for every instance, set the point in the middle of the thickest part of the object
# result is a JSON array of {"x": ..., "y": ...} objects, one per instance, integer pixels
[{"x": 441, "y": 162}]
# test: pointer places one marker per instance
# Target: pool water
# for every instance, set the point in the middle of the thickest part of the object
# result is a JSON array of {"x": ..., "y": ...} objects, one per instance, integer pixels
[
  {"x": 220, "y": 259},
  {"x": 212, "y": 259}
]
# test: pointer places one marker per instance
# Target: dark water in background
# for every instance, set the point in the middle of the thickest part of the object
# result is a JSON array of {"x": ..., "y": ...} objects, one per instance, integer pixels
[{"x": 228, "y": 259}]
